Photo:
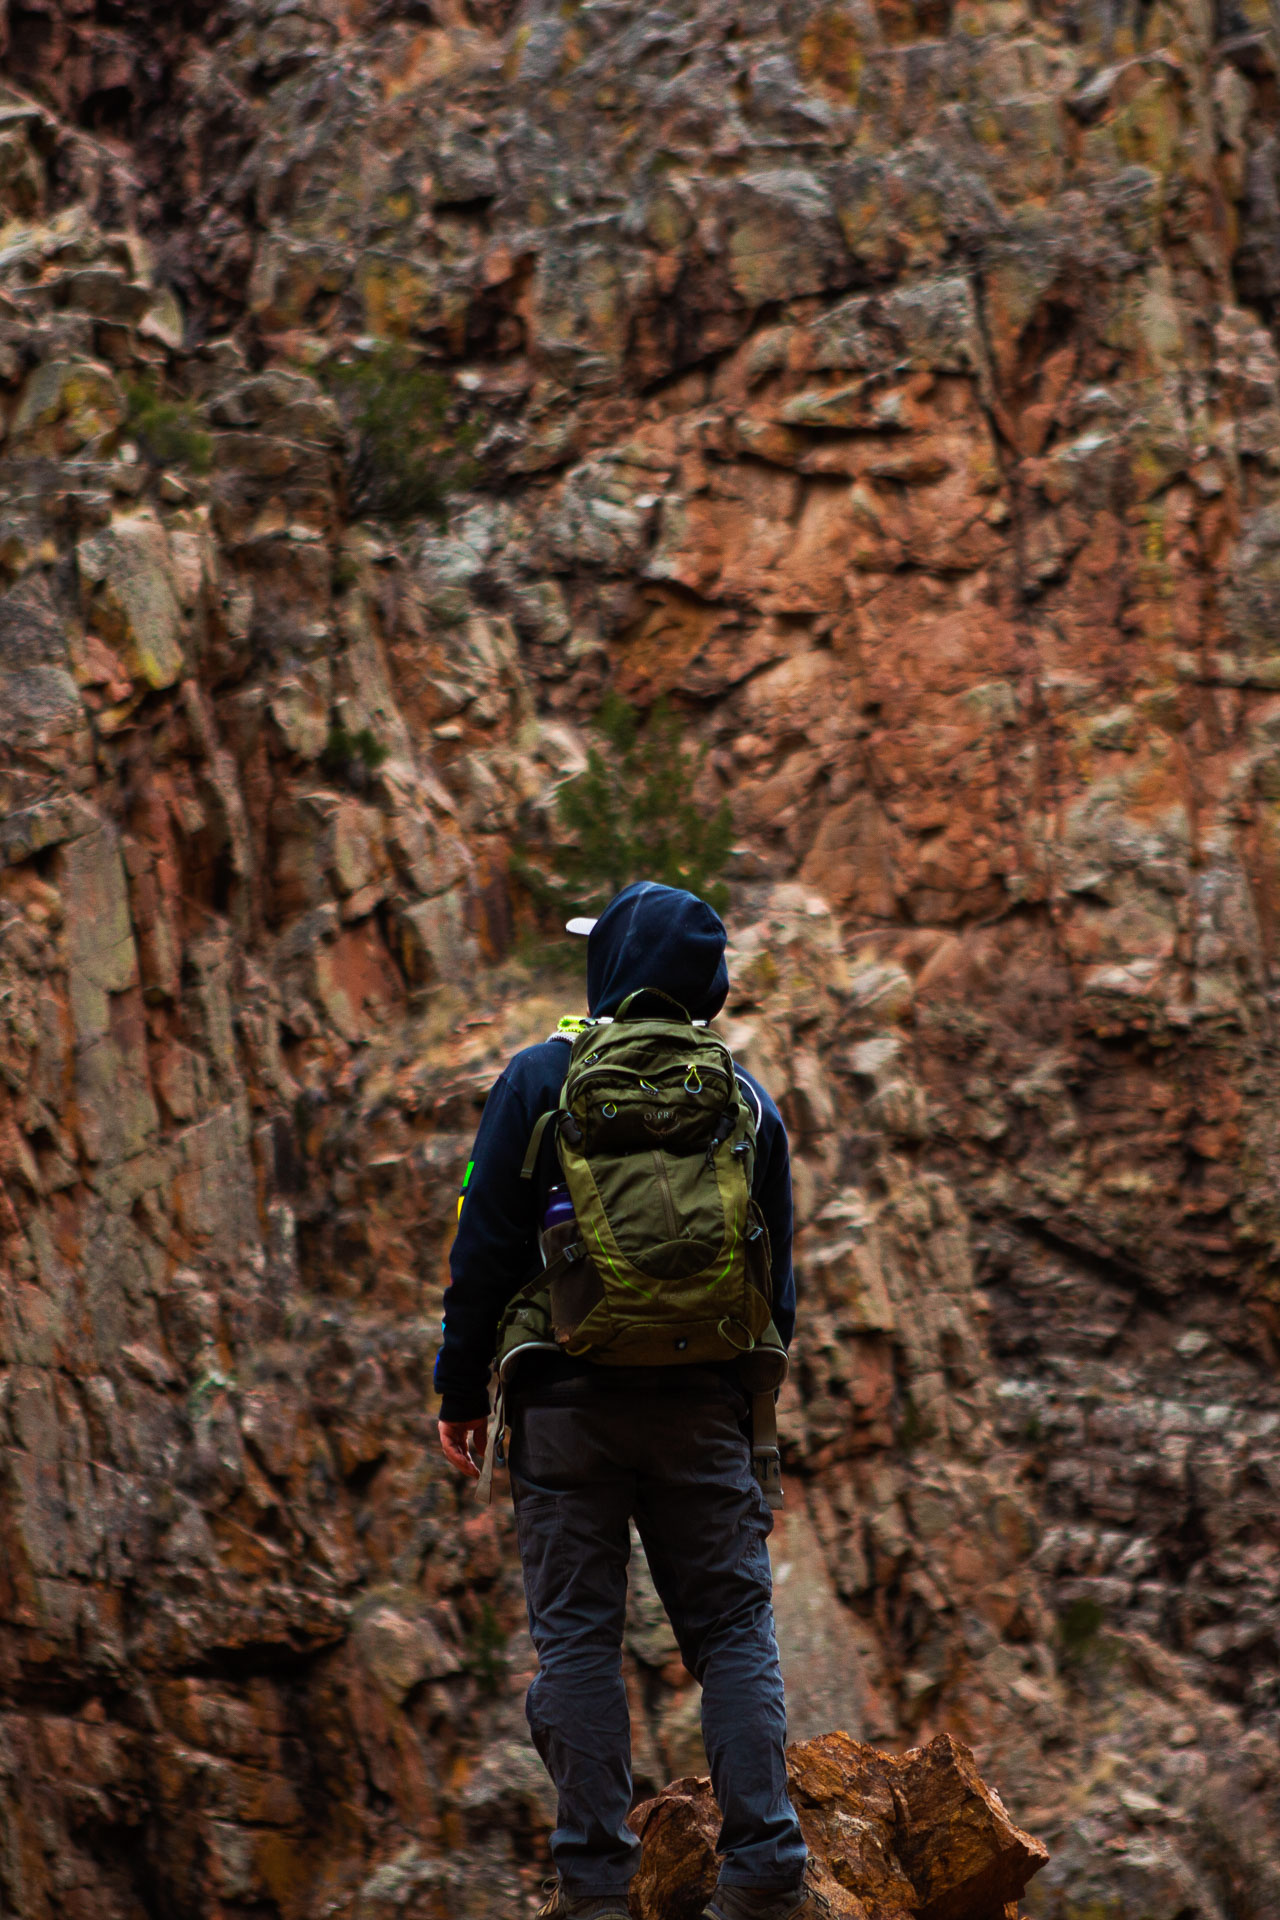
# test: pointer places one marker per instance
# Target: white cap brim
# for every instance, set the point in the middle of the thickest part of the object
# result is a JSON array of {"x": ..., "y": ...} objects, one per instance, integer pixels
[{"x": 578, "y": 926}]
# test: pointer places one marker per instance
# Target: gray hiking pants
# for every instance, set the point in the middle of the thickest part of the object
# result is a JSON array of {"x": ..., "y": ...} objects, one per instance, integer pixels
[{"x": 667, "y": 1448}]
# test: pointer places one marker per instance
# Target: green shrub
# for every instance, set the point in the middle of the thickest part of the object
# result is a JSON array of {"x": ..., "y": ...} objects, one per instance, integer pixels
[
  {"x": 1078, "y": 1630},
  {"x": 212, "y": 1380},
  {"x": 486, "y": 1651},
  {"x": 406, "y": 455},
  {"x": 631, "y": 815},
  {"x": 343, "y": 751},
  {"x": 168, "y": 431},
  {"x": 916, "y": 1428},
  {"x": 346, "y": 571}
]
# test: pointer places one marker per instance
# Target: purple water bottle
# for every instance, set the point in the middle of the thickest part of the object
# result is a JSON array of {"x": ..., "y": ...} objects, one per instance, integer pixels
[{"x": 559, "y": 1225}]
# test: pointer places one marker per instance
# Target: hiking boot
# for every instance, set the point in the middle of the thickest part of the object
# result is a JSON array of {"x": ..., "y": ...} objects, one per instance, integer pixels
[
  {"x": 560, "y": 1905},
  {"x": 764, "y": 1903}
]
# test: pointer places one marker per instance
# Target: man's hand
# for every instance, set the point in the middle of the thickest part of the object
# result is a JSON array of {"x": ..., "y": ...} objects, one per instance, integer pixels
[{"x": 463, "y": 1442}]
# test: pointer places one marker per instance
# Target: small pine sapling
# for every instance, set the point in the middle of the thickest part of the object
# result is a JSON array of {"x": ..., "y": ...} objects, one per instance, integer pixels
[{"x": 631, "y": 814}]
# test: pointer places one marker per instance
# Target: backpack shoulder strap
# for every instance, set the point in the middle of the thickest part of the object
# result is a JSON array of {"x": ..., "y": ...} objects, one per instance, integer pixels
[{"x": 540, "y": 1126}]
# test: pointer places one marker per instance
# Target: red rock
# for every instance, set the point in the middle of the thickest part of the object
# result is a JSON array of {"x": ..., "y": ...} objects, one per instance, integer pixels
[{"x": 889, "y": 1836}]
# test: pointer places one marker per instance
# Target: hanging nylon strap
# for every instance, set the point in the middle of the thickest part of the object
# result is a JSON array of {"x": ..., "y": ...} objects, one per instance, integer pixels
[
  {"x": 765, "y": 1458},
  {"x": 495, "y": 1451}
]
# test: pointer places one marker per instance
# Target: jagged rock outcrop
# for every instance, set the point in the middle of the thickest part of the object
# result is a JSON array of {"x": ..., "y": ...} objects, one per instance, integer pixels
[
  {"x": 894, "y": 386},
  {"x": 890, "y": 1836}
]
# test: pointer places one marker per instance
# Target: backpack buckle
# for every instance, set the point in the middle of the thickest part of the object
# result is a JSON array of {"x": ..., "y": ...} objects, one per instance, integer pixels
[{"x": 767, "y": 1464}]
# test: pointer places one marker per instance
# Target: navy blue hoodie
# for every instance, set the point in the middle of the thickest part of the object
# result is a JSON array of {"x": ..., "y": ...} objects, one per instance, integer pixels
[{"x": 648, "y": 936}]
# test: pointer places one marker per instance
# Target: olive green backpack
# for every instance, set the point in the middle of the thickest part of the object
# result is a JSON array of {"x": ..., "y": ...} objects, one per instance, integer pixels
[{"x": 665, "y": 1261}]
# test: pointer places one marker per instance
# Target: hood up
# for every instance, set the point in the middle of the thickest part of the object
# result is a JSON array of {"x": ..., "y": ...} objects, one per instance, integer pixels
[{"x": 652, "y": 936}]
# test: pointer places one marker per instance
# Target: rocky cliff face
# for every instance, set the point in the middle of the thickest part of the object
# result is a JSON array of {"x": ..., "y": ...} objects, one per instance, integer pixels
[{"x": 894, "y": 387}]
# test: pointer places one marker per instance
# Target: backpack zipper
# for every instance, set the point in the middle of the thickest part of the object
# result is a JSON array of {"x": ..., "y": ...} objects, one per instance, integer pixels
[
  {"x": 607, "y": 1072},
  {"x": 715, "y": 1060},
  {"x": 664, "y": 1191}
]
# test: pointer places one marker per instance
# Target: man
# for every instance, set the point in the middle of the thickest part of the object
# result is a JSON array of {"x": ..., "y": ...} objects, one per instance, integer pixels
[{"x": 593, "y": 1447}]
